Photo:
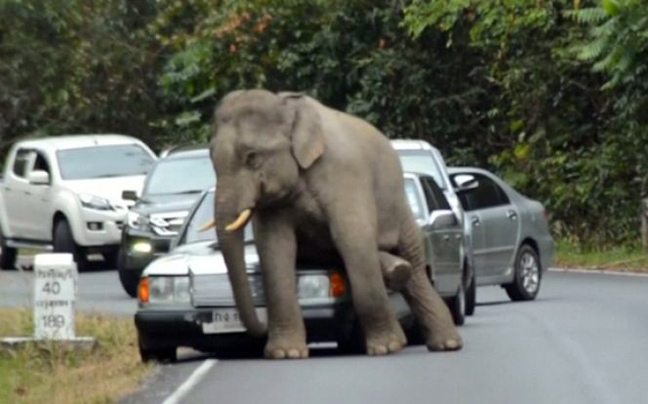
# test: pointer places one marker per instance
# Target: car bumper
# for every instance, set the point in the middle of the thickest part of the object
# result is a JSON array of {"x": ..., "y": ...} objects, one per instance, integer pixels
[
  {"x": 547, "y": 249},
  {"x": 97, "y": 228},
  {"x": 159, "y": 328},
  {"x": 135, "y": 259}
]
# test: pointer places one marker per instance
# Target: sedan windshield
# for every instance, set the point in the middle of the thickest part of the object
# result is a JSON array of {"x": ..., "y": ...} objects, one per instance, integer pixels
[
  {"x": 104, "y": 162},
  {"x": 181, "y": 176},
  {"x": 423, "y": 163},
  {"x": 203, "y": 214}
]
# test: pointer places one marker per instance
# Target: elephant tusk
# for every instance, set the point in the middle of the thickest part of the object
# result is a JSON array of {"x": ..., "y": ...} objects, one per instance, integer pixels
[
  {"x": 240, "y": 221},
  {"x": 207, "y": 226}
]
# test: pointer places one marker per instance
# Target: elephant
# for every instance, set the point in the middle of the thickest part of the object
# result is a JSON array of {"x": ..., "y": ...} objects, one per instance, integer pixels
[{"x": 320, "y": 186}]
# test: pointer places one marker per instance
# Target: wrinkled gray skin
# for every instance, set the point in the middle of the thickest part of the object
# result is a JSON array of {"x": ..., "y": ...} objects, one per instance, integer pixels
[{"x": 325, "y": 187}]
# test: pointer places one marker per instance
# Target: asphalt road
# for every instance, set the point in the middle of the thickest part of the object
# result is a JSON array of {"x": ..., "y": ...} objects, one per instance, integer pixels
[
  {"x": 585, "y": 340},
  {"x": 97, "y": 290}
]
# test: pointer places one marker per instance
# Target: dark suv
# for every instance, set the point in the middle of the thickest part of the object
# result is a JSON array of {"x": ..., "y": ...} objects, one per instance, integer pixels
[{"x": 170, "y": 190}]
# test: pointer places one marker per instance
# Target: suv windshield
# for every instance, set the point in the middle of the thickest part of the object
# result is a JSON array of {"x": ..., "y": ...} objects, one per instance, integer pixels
[
  {"x": 181, "y": 176},
  {"x": 421, "y": 162},
  {"x": 103, "y": 162},
  {"x": 203, "y": 214}
]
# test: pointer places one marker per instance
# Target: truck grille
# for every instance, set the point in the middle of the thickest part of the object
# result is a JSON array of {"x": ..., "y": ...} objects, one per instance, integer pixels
[{"x": 216, "y": 290}]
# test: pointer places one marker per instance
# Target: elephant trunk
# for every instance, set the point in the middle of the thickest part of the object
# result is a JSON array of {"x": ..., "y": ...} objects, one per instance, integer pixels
[{"x": 232, "y": 245}]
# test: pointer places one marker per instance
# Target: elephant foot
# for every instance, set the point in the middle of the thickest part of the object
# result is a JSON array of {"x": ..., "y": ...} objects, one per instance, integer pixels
[
  {"x": 286, "y": 348},
  {"x": 383, "y": 341},
  {"x": 396, "y": 271},
  {"x": 445, "y": 340}
]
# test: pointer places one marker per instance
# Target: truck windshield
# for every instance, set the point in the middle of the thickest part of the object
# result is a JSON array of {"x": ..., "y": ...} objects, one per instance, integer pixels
[
  {"x": 203, "y": 214},
  {"x": 104, "y": 162},
  {"x": 181, "y": 176},
  {"x": 422, "y": 162}
]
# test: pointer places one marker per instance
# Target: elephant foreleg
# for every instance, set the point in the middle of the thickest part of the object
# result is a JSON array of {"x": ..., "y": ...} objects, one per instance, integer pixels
[
  {"x": 429, "y": 309},
  {"x": 356, "y": 243},
  {"x": 395, "y": 270},
  {"x": 277, "y": 248}
]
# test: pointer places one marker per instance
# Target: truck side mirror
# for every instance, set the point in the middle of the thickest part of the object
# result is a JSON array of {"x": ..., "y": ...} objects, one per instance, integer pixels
[
  {"x": 39, "y": 177},
  {"x": 130, "y": 196}
]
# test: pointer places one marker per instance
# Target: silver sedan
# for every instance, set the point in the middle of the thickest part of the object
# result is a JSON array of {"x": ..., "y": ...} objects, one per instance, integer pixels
[{"x": 511, "y": 241}]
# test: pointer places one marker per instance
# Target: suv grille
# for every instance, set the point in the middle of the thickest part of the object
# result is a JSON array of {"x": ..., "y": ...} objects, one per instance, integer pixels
[{"x": 167, "y": 224}]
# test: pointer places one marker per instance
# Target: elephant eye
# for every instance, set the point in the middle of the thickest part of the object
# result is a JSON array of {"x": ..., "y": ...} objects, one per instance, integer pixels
[{"x": 252, "y": 160}]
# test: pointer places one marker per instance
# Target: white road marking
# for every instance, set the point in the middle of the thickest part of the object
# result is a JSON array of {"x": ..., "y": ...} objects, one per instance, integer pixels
[
  {"x": 191, "y": 382},
  {"x": 599, "y": 271}
]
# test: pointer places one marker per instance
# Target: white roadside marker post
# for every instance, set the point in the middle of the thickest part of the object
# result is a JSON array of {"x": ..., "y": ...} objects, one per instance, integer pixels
[{"x": 55, "y": 284}]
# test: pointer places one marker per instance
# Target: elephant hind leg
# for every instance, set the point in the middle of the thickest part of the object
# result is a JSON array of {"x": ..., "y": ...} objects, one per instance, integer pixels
[
  {"x": 429, "y": 309},
  {"x": 395, "y": 270}
]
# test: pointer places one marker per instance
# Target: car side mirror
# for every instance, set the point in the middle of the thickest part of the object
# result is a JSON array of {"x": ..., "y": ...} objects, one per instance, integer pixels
[
  {"x": 39, "y": 177},
  {"x": 442, "y": 218},
  {"x": 130, "y": 196},
  {"x": 465, "y": 182}
]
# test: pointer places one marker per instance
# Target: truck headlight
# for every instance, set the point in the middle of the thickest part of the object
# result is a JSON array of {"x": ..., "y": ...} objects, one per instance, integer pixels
[
  {"x": 95, "y": 202},
  {"x": 137, "y": 221},
  {"x": 168, "y": 289}
]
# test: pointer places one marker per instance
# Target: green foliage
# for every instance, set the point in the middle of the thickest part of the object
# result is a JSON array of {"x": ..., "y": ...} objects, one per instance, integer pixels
[{"x": 553, "y": 132}]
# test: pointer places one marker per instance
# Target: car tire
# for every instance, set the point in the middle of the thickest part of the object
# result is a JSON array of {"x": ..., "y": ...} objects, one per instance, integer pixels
[
  {"x": 527, "y": 277},
  {"x": 64, "y": 243},
  {"x": 353, "y": 343},
  {"x": 8, "y": 256},
  {"x": 471, "y": 295},
  {"x": 129, "y": 278},
  {"x": 162, "y": 355},
  {"x": 457, "y": 305},
  {"x": 111, "y": 258}
]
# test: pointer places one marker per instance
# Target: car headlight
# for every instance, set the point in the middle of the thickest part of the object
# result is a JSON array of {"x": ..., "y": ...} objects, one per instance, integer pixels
[
  {"x": 165, "y": 289},
  {"x": 313, "y": 286},
  {"x": 95, "y": 202},
  {"x": 137, "y": 221}
]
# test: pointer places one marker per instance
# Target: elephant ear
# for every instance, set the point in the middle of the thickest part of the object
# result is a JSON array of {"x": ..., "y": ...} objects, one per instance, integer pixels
[{"x": 307, "y": 133}]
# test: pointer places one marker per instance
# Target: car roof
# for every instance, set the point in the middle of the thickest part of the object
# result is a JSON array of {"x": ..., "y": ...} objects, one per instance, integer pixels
[
  {"x": 411, "y": 144},
  {"x": 78, "y": 141},
  {"x": 457, "y": 170},
  {"x": 187, "y": 152}
]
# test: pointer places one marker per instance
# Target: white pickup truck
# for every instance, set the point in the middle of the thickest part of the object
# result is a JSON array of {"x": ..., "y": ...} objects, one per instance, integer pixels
[{"x": 65, "y": 194}]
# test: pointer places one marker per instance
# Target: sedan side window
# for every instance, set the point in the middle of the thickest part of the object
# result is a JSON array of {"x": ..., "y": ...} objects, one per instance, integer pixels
[
  {"x": 436, "y": 200},
  {"x": 487, "y": 195}
]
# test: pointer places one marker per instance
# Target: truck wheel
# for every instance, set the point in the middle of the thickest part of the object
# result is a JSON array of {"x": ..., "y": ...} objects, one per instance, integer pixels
[
  {"x": 457, "y": 305},
  {"x": 64, "y": 242},
  {"x": 129, "y": 278},
  {"x": 8, "y": 256},
  {"x": 471, "y": 295}
]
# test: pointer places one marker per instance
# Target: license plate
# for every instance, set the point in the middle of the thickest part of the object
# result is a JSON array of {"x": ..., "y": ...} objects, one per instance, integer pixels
[{"x": 228, "y": 320}]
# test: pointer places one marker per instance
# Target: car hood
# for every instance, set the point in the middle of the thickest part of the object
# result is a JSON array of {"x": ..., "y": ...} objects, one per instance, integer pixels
[
  {"x": 165, "y": 203},
  {"x": 109, "y": 188},
  {"x": 197, "y": 259}
]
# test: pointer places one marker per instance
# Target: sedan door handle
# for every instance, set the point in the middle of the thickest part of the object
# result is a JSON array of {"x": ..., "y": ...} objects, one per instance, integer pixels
[
  {"x": 476, "y": 221},
  {"x": 512, "y": 214},
  {"x": 446, "y": 238}
]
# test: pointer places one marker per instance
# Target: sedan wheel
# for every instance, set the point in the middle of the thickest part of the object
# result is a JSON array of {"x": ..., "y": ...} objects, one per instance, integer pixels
[{"x": 526, "y": 283}]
